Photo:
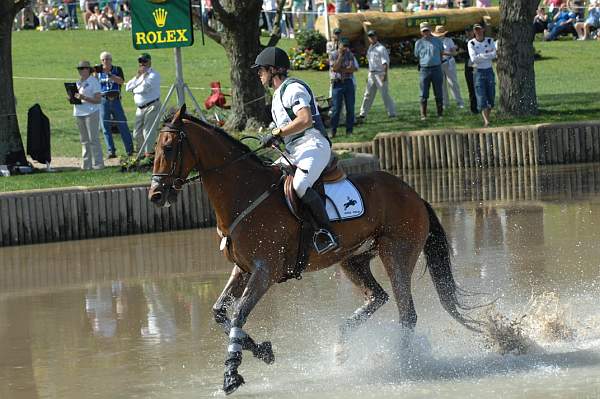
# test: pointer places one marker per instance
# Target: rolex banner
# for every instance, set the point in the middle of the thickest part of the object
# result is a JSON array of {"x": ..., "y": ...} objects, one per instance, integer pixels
[{"x": 161, "y": 24}]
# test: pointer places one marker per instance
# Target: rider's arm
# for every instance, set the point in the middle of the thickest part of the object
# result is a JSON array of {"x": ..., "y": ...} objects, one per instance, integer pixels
[{"x": 302, "y": 122}]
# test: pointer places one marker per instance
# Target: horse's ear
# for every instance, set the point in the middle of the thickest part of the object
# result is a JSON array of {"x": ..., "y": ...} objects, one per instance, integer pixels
[{"x": 178, "y": 115}]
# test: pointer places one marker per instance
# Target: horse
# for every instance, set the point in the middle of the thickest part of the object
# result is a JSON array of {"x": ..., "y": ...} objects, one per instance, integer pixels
[{"x": 260, "y": 235}]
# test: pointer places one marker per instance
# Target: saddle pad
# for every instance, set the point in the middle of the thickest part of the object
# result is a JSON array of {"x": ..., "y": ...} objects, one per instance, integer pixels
[{"x": 343, "y": 201}]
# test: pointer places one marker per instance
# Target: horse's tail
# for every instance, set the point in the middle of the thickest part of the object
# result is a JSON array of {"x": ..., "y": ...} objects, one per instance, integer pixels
[{"x": 437, "y": 252}]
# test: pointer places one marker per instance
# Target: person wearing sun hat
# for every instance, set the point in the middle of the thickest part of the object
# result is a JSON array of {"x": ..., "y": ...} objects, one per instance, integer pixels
[
  {"x": 429, "y": 51},
  {"x": 88, "y": 116},
  {"x": 482, "y": 50},
  {"x": 145, "y": 86},
  {"x": 379, "y": 62},
  {"x": 449, "y": 67}
]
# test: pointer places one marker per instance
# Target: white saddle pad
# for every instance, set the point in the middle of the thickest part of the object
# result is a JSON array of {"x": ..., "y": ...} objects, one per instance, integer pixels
[{"x": 343, "y": 201}]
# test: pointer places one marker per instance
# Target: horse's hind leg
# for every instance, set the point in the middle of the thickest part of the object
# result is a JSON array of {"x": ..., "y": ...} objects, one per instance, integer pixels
[
  {"x": 233, "y": 290},
  {"x": 358, "y": 271},
  {"x": 399, "y": 259}
]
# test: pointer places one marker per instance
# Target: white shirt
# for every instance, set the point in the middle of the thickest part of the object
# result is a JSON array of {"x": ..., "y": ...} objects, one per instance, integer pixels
[
  {"x": 482, "y": 53},
  {"x": 88, "y": 88},
  {"x": 377, "y": 55},
  {"x": 295, "y": 97},
  {"x": 145, "y": 88},
  {"x": 448, "y": 47}
]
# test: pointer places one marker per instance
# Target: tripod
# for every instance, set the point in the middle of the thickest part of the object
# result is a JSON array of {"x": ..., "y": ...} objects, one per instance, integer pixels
[{"x": 180, "y": 87}]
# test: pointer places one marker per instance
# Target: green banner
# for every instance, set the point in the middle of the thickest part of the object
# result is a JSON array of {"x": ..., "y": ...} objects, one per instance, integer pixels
[
  {"x": 433, "y": 20},
  {"x": 161, "y": 24}
]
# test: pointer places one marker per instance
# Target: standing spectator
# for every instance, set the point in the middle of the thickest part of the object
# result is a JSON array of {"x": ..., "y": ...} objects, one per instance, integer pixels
[
  {"x": 562, "y": 23},
  {"x": 126, "y": 16},
  {"x": 298, "y": 7},
  {"x": 449, "y": 68},
  {"x": 553, "y": 6},
  {"x": 342, "y": 6},
  {"x": 88, "y": 116},
  {"x": 379, "y": 62},
  {"x": 343, "y": 64},
  {"x": 145, "y": 87},
  {"x": 72, "y": 10},
  {"x": 584, "y": 29},
  {"x": 111, "y": 79},
  {"x": 540, "y": 21},
  {"x": 469, "y": 70},
  {"x": 429, "y": 51},
  {"x": 482, "y": 50}
]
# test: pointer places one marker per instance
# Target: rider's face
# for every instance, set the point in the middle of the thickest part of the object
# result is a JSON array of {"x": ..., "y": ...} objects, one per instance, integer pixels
[{"x": 264, "y": 75}]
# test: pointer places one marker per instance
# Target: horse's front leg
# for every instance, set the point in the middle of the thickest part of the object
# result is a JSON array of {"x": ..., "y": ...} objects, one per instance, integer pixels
[
  {"x": 257, "y": 286},
  {"x": 233, "y": 290}
]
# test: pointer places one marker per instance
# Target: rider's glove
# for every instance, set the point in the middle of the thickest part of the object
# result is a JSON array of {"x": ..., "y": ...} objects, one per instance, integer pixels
[{"x": 270, "y": 139}]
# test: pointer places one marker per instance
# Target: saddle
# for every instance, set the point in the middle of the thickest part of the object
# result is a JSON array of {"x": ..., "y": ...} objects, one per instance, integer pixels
[{"x": 331, "y": 174}]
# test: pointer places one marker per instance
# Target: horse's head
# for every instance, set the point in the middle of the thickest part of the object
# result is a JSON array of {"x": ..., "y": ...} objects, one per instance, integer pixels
[{"x": 173, "y": 162}]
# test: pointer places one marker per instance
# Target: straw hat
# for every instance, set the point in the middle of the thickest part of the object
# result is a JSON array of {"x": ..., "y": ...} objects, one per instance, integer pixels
[
  {"x": 84, "y": 64},
  {"x": 439, "y": 31}
]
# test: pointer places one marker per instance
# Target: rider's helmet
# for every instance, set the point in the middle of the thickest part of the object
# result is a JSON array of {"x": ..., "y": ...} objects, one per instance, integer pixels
[{"x": 273, "y": 57}]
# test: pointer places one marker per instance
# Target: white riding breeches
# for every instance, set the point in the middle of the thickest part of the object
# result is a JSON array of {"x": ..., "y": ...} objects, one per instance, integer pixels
[{"x": 310, "y": 153}]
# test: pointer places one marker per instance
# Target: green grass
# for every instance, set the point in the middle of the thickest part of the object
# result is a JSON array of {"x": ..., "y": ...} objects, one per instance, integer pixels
[
  {"x": 565, "y": 87},
  {"x": 70, "y": 178}
]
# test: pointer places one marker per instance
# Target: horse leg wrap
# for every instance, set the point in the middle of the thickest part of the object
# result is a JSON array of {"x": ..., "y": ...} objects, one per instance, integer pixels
[{"x": 232, "y": 380}]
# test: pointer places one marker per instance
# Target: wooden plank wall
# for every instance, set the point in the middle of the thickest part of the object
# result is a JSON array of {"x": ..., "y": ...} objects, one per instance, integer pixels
[
  {"x": 79, "y": 213},
  {"x": 513, "y": 146}
]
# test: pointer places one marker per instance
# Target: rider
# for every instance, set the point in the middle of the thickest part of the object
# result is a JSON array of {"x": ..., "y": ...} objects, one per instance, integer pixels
[{"x": 299, "y": 126}]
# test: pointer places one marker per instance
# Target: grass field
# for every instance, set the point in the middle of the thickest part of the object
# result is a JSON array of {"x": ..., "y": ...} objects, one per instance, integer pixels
[{"x": 42, "y": 61}]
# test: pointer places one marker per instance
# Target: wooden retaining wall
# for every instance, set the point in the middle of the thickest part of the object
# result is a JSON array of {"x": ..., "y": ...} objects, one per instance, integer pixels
[
  {"x": 30, "y": 217},
  {"x": 543, "y": 144}
]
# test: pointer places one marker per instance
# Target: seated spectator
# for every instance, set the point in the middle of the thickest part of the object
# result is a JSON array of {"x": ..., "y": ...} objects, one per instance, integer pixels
[
  {"x": 89, "y": 15},
  {"x": 553, "y": 6},
  {"x": 584, "y": 29},
  {"x": 563, "y": 23},
  {"x": 540, "y": 21},
  {"x": 108, "y": 20},
  {"x": 126, "y": 19},
  {"x": 46, "y": 17},
  {"x": 63, "y": 20},
  {"x": 577, "y": 6}
]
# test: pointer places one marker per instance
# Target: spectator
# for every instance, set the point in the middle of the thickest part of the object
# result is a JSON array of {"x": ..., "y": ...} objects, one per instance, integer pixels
[
  {"x": 379, "y": 62},
  {"x": 111, "y": 79},
  {"x": 438, "y": 4},
  {"x": 469, "y": 70},
  {"x": 449, "y": 68},
  {"x": 108, "y": 20},
  {"x": 429, "y": 51},
  {"x": 63, "y": 21},
  {"x": 563, "y": 23},
  {"x": 88, "y": 116},
  {"x": 94, "y": 19},
  {"x": 126, "y": 16},
  {"x": 342, "y": 6},
  {"x": 540, "y": 21},
  {"x": 483, "y": 3},
  {"x": 46, "y": 17},
  {"x": 553, "y": 6},
  {"x": 72, "y": 11},
  {"x": 145, "y": 87},
  {"x": 584, "y": 29},
  {"x": 362, "y": 5},
  {"x": 482, "y": 50},
  {"x": 343, "y": 65}
]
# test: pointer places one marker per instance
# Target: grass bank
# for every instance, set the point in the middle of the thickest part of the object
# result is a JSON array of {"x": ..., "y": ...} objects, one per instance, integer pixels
[{"x": 44, "y": 60}]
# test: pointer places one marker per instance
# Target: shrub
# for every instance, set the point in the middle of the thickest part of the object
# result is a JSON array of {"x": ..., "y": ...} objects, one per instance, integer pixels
[
  {"x": 313, "y": 40},
  {"x": 301, "y": 59}
]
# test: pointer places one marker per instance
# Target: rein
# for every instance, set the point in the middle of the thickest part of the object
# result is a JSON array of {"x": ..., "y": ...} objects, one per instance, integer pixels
[{"x": 178, "y": 182}]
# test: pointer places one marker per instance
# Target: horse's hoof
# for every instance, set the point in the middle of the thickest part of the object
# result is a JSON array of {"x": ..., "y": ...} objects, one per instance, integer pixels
[
  {"x": 264, "y": 352},
  {"x": 231, "y": 382}
]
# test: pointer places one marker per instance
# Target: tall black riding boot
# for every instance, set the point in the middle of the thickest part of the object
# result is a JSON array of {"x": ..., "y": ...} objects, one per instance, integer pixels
[
  {"x": 423, "y": 110},
  {"x": 440, "y": 109},
  {"x": 324, "y": 240}
]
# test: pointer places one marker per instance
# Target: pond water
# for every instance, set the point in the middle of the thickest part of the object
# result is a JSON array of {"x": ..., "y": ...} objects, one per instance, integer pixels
[{"x": 129, "y": 317}]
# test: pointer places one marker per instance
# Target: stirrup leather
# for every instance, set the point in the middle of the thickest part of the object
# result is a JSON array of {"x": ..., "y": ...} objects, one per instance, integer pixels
[{"x": 323, "y": 241}]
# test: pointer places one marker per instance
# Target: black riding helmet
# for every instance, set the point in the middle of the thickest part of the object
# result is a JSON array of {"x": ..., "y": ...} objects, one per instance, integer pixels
[{"x": 272, "y": 56}]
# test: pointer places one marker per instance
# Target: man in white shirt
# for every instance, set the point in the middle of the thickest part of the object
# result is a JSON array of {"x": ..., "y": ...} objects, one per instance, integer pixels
[
  {"x": 145, "y": 87},
  {"x": 482, "y": 50},
  {"x": 379, "y": 62}
]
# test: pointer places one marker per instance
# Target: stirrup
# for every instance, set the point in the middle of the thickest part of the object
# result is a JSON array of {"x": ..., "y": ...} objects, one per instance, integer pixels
[{"x": 324, "y": 241}]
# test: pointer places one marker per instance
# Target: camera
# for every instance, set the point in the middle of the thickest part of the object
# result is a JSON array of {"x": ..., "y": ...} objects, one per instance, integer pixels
[{"x": 97, "y": 68}]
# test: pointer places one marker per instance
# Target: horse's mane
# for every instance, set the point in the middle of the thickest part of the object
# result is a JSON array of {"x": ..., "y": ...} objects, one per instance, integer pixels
[{"x": 221, "y": 132}]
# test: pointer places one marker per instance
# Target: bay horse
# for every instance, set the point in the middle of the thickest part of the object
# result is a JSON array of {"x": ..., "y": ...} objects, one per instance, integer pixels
[{"x": 260, "y": 234}]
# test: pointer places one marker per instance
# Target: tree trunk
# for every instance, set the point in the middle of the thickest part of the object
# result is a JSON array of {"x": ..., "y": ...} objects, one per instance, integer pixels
[
  {"x": 241, "y": 39},
  {"x": 242, "y": 45},
  {"x": 516, "y": 73},
  {"x": 11, "y": 146}
]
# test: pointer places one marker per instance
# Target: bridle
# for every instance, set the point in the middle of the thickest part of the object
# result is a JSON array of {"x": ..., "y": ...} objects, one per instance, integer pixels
[{"x": 177, "y": 163}]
